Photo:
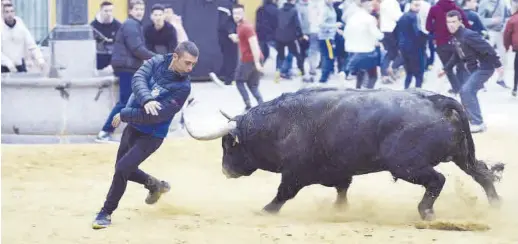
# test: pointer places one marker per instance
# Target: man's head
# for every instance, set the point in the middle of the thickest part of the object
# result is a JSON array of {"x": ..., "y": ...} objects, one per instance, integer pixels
[
  {"x": 136, "y": 9},
  {"x": 470, "y": 4},
  {"x": 238, "y": 11},
  {"x": 106, "y": 11},
  {"x": 367, "y": 5},
  {"x": 157, "y": 15},
  {"x": 453, "y": 20},
  {"x": 329, "y": 1},
  {"x": 8, "y": 12},
  {"x": 415, "y": 5},
  {"x": 185, "y": 57}
]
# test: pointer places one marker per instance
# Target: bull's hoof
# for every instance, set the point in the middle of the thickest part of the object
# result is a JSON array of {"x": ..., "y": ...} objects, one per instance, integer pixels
[
  {"x": 428, "y": 215},
  {"x": 341, "y": 205},
  {"x": 272, "y": 209},
  {"x": 495, "y": 203}
]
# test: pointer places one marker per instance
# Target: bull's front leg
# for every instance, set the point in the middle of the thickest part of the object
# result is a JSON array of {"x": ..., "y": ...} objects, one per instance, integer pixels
[
  {"x": 341, "y": 190},
  {"x": 287, "y": 190}
]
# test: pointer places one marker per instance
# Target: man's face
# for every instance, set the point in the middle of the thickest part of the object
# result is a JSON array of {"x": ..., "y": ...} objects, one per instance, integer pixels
[
  {"x": 453, "y": 24},
  {"x": 8, "y": 13},
  {"x": 184, "y": 63},
  {"x": 158, "y": 17},
  {"x": 107, "y": 12},
  {"x": 238, "y": 14},
  {"x": 415, "y": 5},
  {"x": 138, "y": 11},
  {"x": 472, "y": 4}
]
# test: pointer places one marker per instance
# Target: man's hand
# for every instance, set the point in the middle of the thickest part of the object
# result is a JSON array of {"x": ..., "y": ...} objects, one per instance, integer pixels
[
  {"x": 497, "y": 20},
  {"x": 152, "y": 107},
  {"x": 441, "y": 74},
  {"x": 116, "y": 120},
  {"x": 339, "y": 24},
  {"x": 305, "y": 37},
  {"x": 259, "y": 67},
  {"x": 233, "y": 37}
]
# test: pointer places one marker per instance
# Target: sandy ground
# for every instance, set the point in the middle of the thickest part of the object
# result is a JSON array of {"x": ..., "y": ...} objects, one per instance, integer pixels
[{"x": 50, "y": 194}]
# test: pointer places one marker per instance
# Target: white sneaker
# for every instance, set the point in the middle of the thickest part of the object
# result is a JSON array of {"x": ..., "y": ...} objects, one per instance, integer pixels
[
  {"x": 104, "y": 137},
  {"x": 477, "y": 128},
  {"x": 216, "y": 80}
]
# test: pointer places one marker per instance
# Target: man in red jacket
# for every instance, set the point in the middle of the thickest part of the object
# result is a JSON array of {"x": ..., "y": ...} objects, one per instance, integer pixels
[
  {"x": 511, "y": 41},
  {"x": 436, "y": 25}
]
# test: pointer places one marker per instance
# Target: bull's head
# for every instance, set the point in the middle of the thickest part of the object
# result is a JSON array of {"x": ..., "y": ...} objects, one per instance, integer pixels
[{"x": 235, "y": 163}]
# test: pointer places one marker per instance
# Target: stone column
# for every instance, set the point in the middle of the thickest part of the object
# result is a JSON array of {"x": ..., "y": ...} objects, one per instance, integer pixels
[{"x": 72, "y": 12}]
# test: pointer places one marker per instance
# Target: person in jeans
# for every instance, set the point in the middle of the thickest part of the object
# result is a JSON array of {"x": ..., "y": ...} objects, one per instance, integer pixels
[
  {"x": 265, "y": 25},
  {"x": 249, "y": 67},
  {"x": 390, "y": 12},
  {"x": 362, "y": 42},
  {"x": 511, "y": 40},
  {"x": 436, "y": 24},
  {"x": 129, "y": 52},
  {"x": 480, "y": 61},
  {"x": 326, "y": 36},
  {"x": 105, "y": 26}
]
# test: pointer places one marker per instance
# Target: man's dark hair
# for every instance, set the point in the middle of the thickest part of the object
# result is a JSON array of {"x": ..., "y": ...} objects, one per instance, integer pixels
[
  {"x": 168, "y": 6},
  {"x": 237, "y": 5},
  {"x": 132, "y": 3},
  {"x": 187, "y": 46},
  {"x": 454, "y": 13},
  {"x": 157, "y": 6},
  {"x": 8, "y": 5},
  {"x": 364, "y": 1},
  {"x": 106, "y": 3}
]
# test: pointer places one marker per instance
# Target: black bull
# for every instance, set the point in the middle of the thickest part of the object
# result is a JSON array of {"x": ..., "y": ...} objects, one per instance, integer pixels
[{"x": 327, "y": 136}]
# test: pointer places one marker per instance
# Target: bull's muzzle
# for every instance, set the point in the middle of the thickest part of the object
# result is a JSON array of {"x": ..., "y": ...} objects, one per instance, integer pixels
[{"x": 229, "y": 174}]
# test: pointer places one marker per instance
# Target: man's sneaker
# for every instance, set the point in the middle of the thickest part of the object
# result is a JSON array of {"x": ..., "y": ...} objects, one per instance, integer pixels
[
  {"x": 477, "y": 128},
  {"x": 102, "y": 221},
  {"x": 156, "y": 189},
  {"x": 502, "y": 84},
  {"x": 277, "y": 77},
  {"x": 216, "y": 80},
  {"x": 513, "y": 93},
  {"x": 104, "y": 137}
]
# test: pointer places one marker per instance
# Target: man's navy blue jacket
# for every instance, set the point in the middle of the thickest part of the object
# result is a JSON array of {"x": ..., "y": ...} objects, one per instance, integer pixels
[
  {"x": 472, "y": 50},
  {"x": 155, "y": 82}
]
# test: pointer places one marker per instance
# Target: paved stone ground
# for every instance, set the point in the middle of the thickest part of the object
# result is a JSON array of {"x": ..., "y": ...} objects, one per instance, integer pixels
[{"x": 500, "y": 109}]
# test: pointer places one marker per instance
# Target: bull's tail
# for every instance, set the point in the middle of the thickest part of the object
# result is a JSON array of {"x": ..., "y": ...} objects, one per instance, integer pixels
[{"x": 471, "y": 165}]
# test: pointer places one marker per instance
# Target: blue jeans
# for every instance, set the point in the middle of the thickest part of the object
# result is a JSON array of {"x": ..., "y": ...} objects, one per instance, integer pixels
[
  {"x": 124, "y": 94},
  {"x": 468, "y": 94}
]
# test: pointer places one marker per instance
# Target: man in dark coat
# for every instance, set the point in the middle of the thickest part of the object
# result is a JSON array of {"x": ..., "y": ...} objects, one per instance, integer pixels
[
  {"x": 265, "y": 25},
  {"x": 480, "y": 61},
  {"x": 160, "y": 88},
  {"x": 129, "y": 52},
  {"x": 412, "y": 44},
  {"x": 229, "y": 51}
]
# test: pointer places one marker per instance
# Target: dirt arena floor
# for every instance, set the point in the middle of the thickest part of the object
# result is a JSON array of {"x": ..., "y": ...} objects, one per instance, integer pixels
[{"x": 50, "y": 194}]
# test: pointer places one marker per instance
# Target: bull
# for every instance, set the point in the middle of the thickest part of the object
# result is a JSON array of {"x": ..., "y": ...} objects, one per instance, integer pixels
[{"x": 328, "y": 135}]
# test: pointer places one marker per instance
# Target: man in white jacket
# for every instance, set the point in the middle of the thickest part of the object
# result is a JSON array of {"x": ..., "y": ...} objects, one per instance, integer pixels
[
  {"x": 16, "y": 41},
  {"x": 361, "y": 42}
]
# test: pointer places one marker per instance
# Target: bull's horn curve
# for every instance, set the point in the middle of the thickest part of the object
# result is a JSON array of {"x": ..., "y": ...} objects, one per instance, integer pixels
[
  {"x": 211, "y": 135},
  {"x": 230, "y": 118}
]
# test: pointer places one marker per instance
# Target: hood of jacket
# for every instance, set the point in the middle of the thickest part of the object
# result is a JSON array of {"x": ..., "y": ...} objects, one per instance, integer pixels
[{"x": 446, "y": 5}]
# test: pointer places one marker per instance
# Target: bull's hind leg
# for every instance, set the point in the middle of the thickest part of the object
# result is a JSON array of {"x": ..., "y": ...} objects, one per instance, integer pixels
[
  {"x": 341, "y": 190},
  {"x": 482, "y": 175},
  {"x": 288, "y": 189},
  {"x": 433, "y": 182}
]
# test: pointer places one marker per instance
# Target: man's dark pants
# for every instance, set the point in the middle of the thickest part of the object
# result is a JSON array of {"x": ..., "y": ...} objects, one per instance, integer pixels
[
  {"x": 229, "y": 51},
  {"x": 293, "y": 48},
  {"x": 515, "y": 87},
  {"x": 134, "y": 148},
  {"x": 247, "y": 73},
  {"x": 445, "y": 53},
  {"x": 124, "y": 94}
]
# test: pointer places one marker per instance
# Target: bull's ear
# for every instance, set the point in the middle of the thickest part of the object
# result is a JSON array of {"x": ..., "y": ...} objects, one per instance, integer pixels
[{"x": 234, "y": 133}]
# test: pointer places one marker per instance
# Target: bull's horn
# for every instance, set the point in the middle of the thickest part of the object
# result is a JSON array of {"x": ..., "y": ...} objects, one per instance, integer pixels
[
  {"x": 212, "y": 135},
  {"x": 230, "y": 118}
]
